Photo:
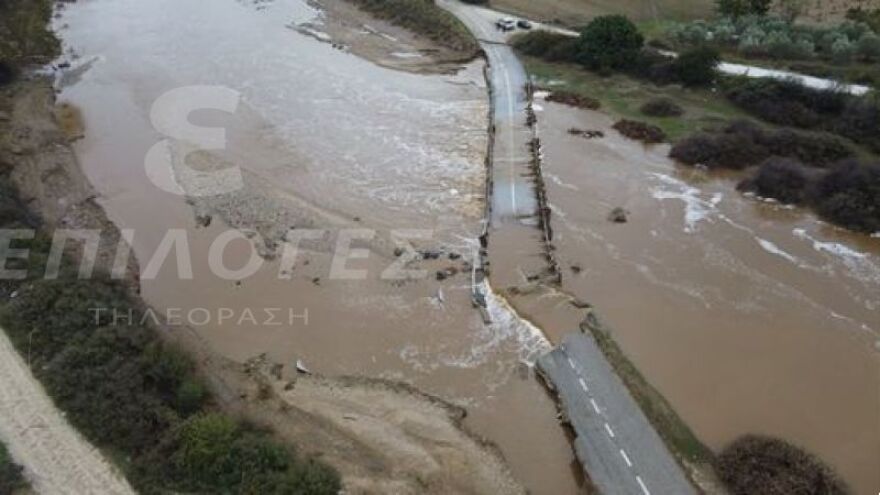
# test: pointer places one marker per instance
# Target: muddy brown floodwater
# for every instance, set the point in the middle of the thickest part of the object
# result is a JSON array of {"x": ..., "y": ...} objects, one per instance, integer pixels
[
  {"x": 324, "y": 140},
  {"x": 747, "y": 315}
]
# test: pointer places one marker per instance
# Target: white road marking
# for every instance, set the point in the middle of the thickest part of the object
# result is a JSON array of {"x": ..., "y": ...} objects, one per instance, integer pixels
[
  {"x": 510, "y": 136},
  {"x": 609, "y": 430},
  {"x": 583, "y": 384},
  {"x": 571, "y": 363},
  {"x": 626, "y": 458},
  {"x": 642, "y": 485},
  {"x": 595, "y": 407}
]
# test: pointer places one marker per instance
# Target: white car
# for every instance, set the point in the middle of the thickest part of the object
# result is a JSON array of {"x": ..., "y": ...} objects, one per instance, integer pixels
[{"x": 506, "y": 24}]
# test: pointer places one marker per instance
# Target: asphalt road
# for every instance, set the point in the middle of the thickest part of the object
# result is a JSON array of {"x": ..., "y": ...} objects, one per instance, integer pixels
[
  {"x": 513, "y": 198},
  {"x": 618, "y": 447}
]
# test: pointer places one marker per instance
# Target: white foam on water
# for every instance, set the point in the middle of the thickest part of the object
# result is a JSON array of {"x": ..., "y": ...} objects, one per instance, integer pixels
[
  {"x": 774, "y": 249},
  {"x": 559, "y": 182},
  {"x": 697, "y": 208},
  {"x": 858, "y": 263}
]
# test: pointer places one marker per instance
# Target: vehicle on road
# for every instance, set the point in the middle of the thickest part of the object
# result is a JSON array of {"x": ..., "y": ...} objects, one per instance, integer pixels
[
  {"x": 506, "y": 24},
  {"x": 524, "y": 24}
]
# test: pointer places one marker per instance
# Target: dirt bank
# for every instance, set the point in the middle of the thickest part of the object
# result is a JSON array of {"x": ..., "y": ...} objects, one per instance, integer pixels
[
  {"x": 383, "y": 436},
  {"x": 35, "y": 137},
  {"x": 348, "y": 28}
]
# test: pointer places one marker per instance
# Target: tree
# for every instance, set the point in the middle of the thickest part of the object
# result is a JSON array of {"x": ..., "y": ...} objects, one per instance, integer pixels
[
  {"x": 697, "y": 67},
  {"x": 611, "y": 41},
  {"x": 739, "y": 8},
  {"x": 869, "y": 47}
]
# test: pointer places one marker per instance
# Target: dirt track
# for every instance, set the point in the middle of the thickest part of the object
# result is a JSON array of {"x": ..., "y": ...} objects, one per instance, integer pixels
[{"x": 56, "y": 458}]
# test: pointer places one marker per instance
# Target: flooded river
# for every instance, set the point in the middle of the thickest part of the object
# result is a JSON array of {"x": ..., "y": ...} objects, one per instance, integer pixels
[
  {"x": 747, "y": 315},
  {"x": 321, "y": 140}
]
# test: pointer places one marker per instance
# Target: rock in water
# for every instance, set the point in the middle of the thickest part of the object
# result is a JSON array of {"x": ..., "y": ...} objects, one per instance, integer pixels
[{"x": 618, "y": 215}]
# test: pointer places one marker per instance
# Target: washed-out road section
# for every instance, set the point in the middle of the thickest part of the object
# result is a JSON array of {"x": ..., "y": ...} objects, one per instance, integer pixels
[{"x": 617, "y": 446}]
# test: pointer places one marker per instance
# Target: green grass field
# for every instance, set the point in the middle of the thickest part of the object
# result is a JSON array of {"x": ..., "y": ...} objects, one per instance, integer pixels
[{"x": 622, "y": 96}]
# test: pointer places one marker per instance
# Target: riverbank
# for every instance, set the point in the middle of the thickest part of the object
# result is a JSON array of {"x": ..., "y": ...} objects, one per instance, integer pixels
[{"x": 376, "y": 37}]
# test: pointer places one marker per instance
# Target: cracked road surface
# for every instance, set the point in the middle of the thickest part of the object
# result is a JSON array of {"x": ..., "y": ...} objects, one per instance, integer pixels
[{"x": 618, "y": 447}]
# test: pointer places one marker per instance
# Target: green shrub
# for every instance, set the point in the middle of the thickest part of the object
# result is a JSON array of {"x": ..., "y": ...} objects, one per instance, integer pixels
[
  {"x": 211, "y": 453},
  {"x": 849, "y": 196},
  {"x": 25, "y": 36},
  {"x": 697, "y": 67},
  {"x": 784, "y": 179},
  {"x": 611, "y": 41},
  {"x": 742, "y": 144},
  {"x": 869, "y": 47},
  {"x": 843, "y": 51},
  {"x": 792, "y": 104}
]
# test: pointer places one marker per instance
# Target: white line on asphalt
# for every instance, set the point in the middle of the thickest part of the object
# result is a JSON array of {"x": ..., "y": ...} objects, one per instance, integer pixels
[
  {"x": 583, "y": 385},
  {"x": 642, "y": 484},
  {"x": 510, "y": 136},
  {"x": 571, "y": 363},
  {"x": 595, "y": 407},
  {"x": 626, "y": 458},
  {"x": 609, "y": 430}
]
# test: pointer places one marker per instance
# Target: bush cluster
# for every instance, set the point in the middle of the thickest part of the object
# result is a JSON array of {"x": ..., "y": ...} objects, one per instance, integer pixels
[
  {"x": 813, "y": 170},
  {"x": 426, "y": 18},
  {"x": 24, "y": 35},
  {"x": 11, "y": 478},
  {"x": 792, "y": 104},
  {"x": 742, "y": 144},
  {"x": 849, "y": 196},
  {"x": 755, "y": 464},
  {"x": 784, "y": 179},
  {"x": 640, "y": 131},
  {"x": 613, "y": 43},
  {"x": 776, "y": 37},
  {"x": 127, "y": 390}
]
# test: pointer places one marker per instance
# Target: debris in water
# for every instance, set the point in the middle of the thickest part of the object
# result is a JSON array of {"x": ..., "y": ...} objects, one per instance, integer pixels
[
  {"x": 618, "y": 215},
  {"x": 300, "y": 367}
]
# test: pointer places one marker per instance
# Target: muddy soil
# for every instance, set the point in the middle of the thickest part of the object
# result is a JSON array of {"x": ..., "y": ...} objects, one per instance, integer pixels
[
  {"x": 346, "y": 27},
  {"x": 384, "y": 436},
  {"x": 36, "y": 133}
]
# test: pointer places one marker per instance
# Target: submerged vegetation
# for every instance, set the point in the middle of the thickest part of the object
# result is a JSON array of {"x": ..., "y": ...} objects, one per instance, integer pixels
[
  {"x": 788, "y": 103},
  {"x": 757, "y": 464},
  {"x": 424, "y": 17}
]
